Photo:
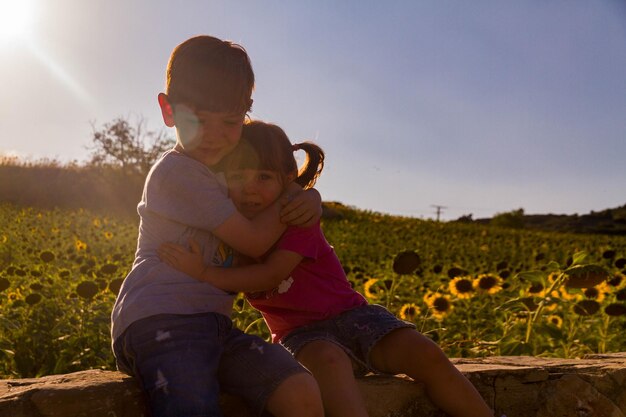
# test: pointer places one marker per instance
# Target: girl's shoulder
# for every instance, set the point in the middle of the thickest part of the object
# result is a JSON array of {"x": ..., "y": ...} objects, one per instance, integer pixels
[{"x": 304, "y": 240}]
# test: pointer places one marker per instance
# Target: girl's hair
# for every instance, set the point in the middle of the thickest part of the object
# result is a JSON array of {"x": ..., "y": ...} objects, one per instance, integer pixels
[{"x": 266, "y": 146}]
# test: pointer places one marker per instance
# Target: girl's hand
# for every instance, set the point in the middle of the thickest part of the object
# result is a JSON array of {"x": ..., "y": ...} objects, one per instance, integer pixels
[
  {"x": 188, "y": 261},
  {"x": 302, "y": 209}
]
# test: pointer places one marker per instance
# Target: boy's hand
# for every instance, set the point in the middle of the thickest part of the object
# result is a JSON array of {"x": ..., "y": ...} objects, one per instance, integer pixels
[
  {"x": 302, "y": 209},
  {"x": 188, "y": 261}
]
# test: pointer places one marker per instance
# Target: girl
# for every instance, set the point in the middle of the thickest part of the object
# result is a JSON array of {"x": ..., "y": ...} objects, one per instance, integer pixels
[{"x": 307, "y": 301}]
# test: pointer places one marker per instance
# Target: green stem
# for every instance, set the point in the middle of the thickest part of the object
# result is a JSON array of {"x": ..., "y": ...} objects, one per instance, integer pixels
[
  {"x": 252, "y": 324},
  {"x": 535, "y": 316},
  {"x": 604, "y": 334}
]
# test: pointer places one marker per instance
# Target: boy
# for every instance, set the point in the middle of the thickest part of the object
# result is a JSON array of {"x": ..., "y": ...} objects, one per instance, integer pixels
[{"x": 169, "y": 330}]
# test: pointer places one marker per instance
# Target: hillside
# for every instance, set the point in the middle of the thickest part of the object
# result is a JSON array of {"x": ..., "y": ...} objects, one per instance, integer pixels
[
  {"x": 606, "y": 222},
  {"x": 109, "y": 190}
]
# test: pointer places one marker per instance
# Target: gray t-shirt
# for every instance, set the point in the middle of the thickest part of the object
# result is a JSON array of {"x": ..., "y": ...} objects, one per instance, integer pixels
[{"x": 182, "y": 198}]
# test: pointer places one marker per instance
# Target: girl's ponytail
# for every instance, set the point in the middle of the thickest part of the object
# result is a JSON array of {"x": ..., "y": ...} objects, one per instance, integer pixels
[{"x": 313, "y": 164}]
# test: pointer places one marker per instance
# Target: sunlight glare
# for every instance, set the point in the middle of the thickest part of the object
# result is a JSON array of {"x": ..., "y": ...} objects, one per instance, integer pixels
[{"x": 15, "y": 19}]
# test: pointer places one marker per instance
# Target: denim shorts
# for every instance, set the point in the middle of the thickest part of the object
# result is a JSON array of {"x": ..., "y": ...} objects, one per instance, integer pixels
[
  {"x": 184, "y": 361},
  {"x": 356, "y": 331}
]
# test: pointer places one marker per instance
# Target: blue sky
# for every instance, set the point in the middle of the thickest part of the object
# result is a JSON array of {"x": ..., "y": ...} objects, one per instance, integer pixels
[{"x": 482, "y": 106}]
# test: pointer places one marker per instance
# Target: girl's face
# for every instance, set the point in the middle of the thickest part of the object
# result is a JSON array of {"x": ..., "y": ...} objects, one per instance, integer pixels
[{"x": 253, "y": 190}]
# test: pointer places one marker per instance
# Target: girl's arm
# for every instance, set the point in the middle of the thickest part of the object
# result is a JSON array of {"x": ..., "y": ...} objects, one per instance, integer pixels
[
  {"x": 251, "y": 278},
  {"x": 255, "y": 237}
]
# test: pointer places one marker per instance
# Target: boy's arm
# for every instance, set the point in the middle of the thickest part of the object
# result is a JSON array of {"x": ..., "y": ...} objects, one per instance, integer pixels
[
  {"x": 255, "y": 237},
  {"x": 187, "y": 193},
  {"x": 303, "y": 209},
  {"x": 251, "y": 278},
  {"x": 252, "y": 237}
]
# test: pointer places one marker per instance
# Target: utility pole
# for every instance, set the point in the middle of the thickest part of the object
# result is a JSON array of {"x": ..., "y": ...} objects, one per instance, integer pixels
[{"x": 439, "y": 208}]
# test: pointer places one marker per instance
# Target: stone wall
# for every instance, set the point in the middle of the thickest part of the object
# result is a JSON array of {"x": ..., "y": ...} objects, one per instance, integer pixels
[{"x": 594, "y": 386}]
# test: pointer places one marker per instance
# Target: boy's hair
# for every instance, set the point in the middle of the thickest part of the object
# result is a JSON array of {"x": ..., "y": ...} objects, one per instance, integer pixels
[
  {"x": 210, "y": 74},
  {"x": 266, "y": 146}
]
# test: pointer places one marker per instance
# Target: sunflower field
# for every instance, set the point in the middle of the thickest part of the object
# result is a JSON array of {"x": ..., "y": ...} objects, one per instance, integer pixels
[{"x": 476, "y": 290}]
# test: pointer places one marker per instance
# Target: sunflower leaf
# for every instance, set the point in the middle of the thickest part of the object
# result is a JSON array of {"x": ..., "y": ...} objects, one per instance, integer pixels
[
  {"x": 531, "y": 276},
  {"x": 579, "y": 258},
  {"x": 552, "y": 266}
]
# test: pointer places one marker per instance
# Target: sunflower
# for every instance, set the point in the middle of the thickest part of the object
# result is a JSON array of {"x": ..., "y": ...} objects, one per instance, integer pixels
[
  {"x": 47, "y": 256},
  {"x": 438, "y": 304},
  {"x": 461, "y": 287},
  {"x": 586, "y": 307},
  {"x": 371, "y": 290},
  {"x": 553, "y": 277},
  {"x": 409, "y": 312},
  {"x": 32, "y": 299},
  {"x": 406, "y": 262},
  {"x": 4, "y": 284},
  {"x": 618, "y": 281},
  {"x": 564, "y": 294},
  {"x": 586, "y": 276},
  {"x": 615, "y": 309},
  {"x": 80, "y": 245},
  {"x": 555, "y": 320},
  {"x": 108, "y": 235},
  {"x": 15, "y": 295},
  {"x": 537, "y": 289},
  {"x": 488, "y": 283},
  {"x": 87, "y": 289},
  {"x": 597, "y": 293}
]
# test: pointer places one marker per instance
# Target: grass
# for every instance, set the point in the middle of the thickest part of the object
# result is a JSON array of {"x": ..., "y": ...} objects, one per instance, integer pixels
[{"x": 476, "y": 290}]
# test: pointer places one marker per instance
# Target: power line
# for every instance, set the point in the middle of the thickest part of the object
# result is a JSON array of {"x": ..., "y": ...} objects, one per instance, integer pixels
[{"x": 439, "y": 208}]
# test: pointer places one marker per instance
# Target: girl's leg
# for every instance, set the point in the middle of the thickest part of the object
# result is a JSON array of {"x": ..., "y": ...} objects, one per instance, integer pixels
[
  {"x": 332, "y": 368},
  {"x": 406, "y": 351},
  {"x": 296, "y": 396}
]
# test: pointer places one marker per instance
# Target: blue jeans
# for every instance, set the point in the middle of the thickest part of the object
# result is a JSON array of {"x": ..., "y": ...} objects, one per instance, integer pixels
[
  {"x": 183, "y": 361},
  {"x": 356, "y": 331}
]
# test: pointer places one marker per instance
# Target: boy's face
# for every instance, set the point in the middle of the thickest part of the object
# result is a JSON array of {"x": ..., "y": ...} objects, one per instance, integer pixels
[
  {"x": 253, "y": 190},
  {"x": 207, "y": 136}
]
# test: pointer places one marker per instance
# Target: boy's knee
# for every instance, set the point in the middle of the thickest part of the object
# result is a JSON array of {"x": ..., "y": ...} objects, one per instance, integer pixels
[
  {"x": 323, "y": 354},
  {"x": 305, "y": 386},
  {"x": 298, "y": 392}
]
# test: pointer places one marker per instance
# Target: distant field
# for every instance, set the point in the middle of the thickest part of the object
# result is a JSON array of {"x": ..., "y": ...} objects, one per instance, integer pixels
[{"x": 469, "y": 288}]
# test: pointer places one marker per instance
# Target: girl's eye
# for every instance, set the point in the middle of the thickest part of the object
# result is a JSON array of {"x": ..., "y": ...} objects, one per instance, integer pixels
[{"x": 265, "y": 177}]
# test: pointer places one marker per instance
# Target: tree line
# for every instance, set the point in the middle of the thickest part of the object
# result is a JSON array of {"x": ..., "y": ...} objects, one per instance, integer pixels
[{"x": 121, "y": 153}]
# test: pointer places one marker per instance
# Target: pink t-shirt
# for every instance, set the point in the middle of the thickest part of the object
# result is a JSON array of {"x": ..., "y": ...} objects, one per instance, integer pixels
[{"x": 317, "y": 288}]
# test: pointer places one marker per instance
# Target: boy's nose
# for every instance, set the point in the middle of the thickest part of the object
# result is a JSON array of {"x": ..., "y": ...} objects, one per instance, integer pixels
[{"x": 210, "y": 133}]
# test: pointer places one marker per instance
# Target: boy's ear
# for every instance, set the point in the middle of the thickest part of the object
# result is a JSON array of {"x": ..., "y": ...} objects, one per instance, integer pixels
[{"x": 166, "y": 110}]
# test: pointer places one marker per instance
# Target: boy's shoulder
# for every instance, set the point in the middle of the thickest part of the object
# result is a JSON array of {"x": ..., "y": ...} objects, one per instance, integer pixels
[
  {"x": 177, "y": 169},
  {"x": 174, "y": 160}
]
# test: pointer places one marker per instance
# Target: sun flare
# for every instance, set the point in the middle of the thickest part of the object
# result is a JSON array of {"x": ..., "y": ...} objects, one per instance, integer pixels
[{"x": 16, "y": 17}]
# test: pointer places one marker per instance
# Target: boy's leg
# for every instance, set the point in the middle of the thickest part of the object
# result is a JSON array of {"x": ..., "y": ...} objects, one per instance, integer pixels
[
  {"x": 176, "y": 359},
  {"x": 298, "y": 395},
  {"x": 268, "y": 377},
  {"x": 332, "y": 368},
  {"x": 406, "y": 351}
]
